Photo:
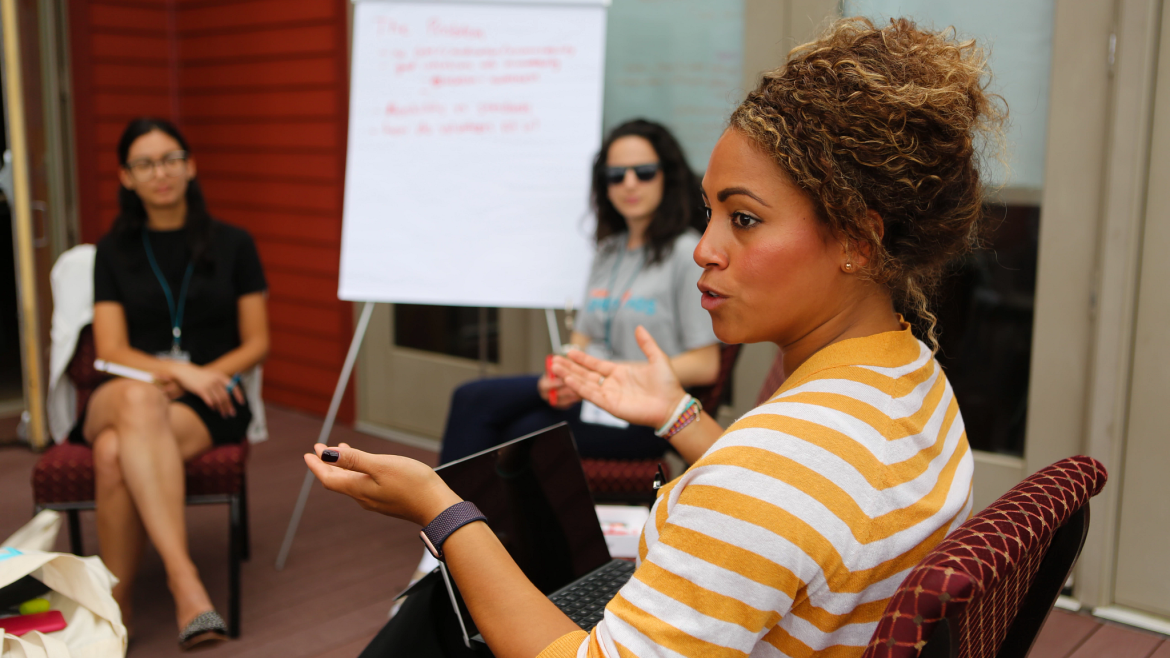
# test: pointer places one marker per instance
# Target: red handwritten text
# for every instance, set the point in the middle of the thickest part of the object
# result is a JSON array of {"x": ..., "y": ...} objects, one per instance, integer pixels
[
  {"x": 439, "y": 28},
  {"x": 387, "y": 26}
]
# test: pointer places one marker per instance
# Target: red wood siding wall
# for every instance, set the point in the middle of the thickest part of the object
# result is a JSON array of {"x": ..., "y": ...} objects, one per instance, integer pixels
[{"x": 259, "y": 87}]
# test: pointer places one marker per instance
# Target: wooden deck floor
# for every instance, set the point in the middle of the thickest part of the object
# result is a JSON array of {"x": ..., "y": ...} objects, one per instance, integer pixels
[
  {"x": 1069, "y": 635},
  {"x": 347, "y": 564}
]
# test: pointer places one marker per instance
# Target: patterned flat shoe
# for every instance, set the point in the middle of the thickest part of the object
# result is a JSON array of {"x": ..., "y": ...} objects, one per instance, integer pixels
[{"x": 203, "y": 631}]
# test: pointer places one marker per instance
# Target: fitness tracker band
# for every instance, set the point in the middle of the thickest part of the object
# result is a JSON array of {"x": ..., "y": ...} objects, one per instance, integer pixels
[{"x": 447, "y": 522}]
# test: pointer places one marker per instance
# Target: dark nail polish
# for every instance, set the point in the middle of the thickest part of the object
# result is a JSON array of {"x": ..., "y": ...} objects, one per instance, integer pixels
[{"x": 329, "y": 456}]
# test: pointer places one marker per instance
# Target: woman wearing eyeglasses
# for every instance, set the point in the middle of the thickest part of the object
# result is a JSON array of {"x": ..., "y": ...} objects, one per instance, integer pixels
[
  {"x": 842, "y": 187},
  {"x": 649, "y": 218},
  {"x": 181, "y": 296}
]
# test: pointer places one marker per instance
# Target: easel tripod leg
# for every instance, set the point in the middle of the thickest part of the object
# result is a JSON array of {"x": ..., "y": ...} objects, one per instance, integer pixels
[{"x": 326, "y": 428}]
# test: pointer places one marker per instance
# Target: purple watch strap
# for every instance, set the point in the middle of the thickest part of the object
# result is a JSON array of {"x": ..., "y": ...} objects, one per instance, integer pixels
[{"x": 447, "y": 522}]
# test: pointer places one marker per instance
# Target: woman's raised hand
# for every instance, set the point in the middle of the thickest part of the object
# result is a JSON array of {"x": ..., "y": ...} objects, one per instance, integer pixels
[
  {"x": 388, "y": 484},
  {"x": 641, "y": 393}
]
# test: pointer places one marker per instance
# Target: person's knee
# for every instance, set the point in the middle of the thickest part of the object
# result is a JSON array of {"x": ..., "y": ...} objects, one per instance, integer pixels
[
  {"x": 137, "y": 398},
  {"x": 472, "y": 397},
  {"x": 107, "y": 465},
  {"x": 468, "y": 396}
]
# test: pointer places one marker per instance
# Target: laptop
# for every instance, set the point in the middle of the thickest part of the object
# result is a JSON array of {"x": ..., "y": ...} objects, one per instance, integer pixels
[{"x": 537, "y": 501}]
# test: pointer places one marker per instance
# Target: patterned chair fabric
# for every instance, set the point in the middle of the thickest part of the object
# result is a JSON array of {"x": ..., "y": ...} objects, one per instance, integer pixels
[
  {"x": 632, "y": 479},
  {"x": 64, "y": 474},
  {"x": 978, "y": 579},
  {"x": 609, "y": 478},
  {"x": 217, "y": 471},
  {"x": 80, "y": 370}
]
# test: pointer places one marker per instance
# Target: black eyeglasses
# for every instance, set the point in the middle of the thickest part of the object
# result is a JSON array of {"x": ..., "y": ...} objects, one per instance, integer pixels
[
  {"x": 644, "y": 172},
  {"x": 172, "y": 164}
]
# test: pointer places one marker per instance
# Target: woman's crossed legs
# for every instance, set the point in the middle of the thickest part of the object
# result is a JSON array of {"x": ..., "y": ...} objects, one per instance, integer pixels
[{"x": 140, "y": 440}]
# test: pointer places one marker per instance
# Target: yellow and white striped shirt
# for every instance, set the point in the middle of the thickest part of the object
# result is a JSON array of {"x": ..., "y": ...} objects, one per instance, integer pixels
[{"x": 790, "y": 534}]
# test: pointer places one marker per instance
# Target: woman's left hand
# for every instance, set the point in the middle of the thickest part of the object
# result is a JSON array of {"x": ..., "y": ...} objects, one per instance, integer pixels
[
  {"x": 389, "y": 484},
  {"x": 209, "y": 385}
]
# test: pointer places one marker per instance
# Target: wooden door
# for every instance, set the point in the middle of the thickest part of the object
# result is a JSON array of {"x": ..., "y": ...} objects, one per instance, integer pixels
[{"x": 1142, "y": 576}]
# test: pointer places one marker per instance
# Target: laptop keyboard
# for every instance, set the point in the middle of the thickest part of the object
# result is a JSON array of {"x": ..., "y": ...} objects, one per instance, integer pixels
[{"x": 584, "y": 600}]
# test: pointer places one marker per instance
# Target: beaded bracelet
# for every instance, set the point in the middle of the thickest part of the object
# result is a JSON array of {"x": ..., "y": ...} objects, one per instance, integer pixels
[
  {"x": 685, "y": 413},
  {"x": 674, "y": 415}
]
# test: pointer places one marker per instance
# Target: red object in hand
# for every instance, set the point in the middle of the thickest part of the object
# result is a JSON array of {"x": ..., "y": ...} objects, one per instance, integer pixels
[
  {"x": 45, "y": 622},
  {"x": 552, "y": 392}
]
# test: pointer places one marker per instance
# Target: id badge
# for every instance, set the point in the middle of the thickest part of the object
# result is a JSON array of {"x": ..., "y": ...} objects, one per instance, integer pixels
[
  {"x": 595, "y": 415},
  {"x": 175, "y": 354}
]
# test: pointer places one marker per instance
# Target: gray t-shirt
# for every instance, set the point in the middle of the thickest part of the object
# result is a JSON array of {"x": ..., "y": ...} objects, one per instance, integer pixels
[{"x": 624, "y": 292}]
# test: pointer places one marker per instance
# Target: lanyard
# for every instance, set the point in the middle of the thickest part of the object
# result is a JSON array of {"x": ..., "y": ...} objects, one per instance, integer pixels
[
  {"x": 176, "y": 311},
  {"x": 611, "y": 309}
]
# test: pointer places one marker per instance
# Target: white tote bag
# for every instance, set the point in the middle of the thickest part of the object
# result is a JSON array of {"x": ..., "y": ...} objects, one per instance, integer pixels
[
  {"x": 80, "y": 590},
  {"x": 35, "y": 645}
]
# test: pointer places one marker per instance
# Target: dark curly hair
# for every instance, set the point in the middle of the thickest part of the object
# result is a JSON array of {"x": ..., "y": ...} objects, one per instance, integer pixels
[
  {"x": 886, "y": 120},
  {"x": 682, "y": 203}
]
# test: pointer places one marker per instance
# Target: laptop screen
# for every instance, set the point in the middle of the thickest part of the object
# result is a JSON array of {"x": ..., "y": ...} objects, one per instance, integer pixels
[{"x": 537, "y": 501}]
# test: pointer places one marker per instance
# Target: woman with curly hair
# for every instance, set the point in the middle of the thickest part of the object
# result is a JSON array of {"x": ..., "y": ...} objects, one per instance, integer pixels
[{"x": 843, "y": 185}]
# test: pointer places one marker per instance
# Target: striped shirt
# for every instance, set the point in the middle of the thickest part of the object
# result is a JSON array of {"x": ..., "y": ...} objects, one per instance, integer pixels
[{"x": 790, "y": 534}]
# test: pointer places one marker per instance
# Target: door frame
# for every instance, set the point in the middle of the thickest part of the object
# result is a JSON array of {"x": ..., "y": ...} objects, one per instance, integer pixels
[
  {"x": 20, "y": 95},
  {"x": 1093, "y": 212}
]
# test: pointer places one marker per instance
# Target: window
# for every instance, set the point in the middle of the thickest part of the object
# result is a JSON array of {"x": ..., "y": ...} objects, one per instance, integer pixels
[
  {"x": 985, "y": 311},
  {"x": 450, "y": 330},
  {"x": 985, "y": 308}
]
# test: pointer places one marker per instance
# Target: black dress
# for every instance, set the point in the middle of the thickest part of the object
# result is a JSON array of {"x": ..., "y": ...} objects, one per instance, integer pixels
[{"x": 210, "y": 319}]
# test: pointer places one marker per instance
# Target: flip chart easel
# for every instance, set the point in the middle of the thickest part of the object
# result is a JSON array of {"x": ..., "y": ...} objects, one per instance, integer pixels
[{"x": 472, "y": 127}]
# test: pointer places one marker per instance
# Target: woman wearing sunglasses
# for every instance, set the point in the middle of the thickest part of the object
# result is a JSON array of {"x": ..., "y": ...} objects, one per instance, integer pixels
[
  {"x": 840, "y": 190},
  {"x": 649, "y": 217},
  {"x": 181, "y": 296}
]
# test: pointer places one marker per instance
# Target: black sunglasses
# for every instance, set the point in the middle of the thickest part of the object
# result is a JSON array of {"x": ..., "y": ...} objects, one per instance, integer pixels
[{"x": 644, "y": 172}]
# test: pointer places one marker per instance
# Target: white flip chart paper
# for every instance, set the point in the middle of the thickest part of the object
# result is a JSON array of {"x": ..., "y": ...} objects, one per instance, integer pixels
[{"x": 472, "y": 131}]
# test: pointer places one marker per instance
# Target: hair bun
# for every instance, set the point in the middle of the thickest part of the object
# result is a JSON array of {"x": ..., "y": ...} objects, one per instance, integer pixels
[{"x": 890, "y": 120}]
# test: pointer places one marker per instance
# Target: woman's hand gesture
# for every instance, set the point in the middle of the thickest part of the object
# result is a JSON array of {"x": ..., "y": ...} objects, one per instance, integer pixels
[
  {"x": 209, "y": 385},
  {"x": 641, "y": 393},
  {"x": 388, "y": 484}
]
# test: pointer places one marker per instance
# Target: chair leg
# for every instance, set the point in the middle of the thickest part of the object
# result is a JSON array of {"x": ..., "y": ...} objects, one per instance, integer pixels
[
  {"x": 235, "y": 550},
  {"x": 245, "y": 522},
  {"x": 75, "y": 531}
]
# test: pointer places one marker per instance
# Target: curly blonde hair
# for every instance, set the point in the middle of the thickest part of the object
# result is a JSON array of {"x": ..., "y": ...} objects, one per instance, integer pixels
[{"x": 886, "y": 120}]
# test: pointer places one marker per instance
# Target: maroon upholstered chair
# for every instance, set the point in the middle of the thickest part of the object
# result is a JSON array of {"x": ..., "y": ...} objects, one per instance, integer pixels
[
  {"x": 63, "y": 479},
  {"x": 988, "y": 587},
  {"x": 631, "y": 480}
]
